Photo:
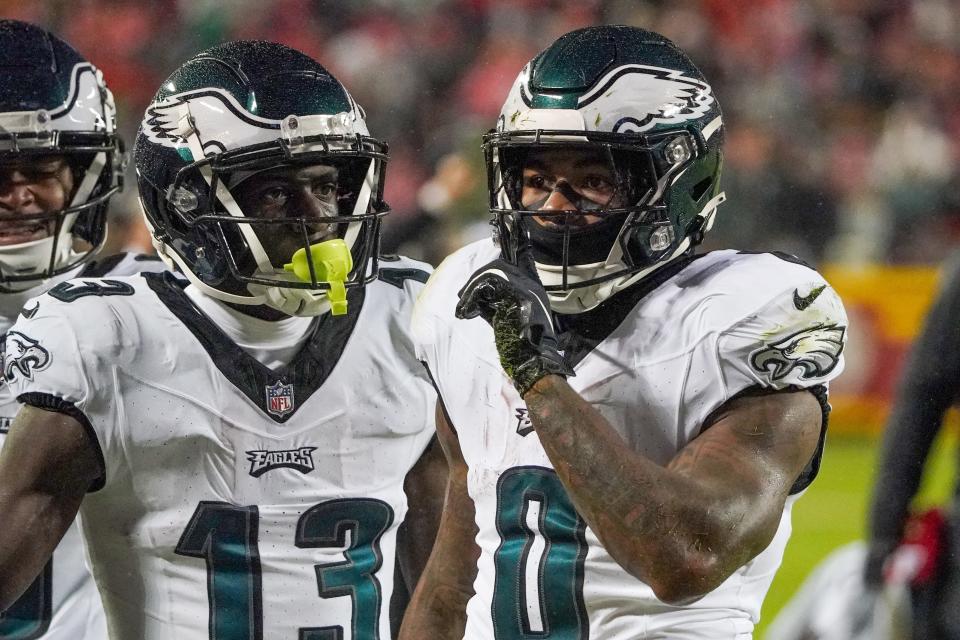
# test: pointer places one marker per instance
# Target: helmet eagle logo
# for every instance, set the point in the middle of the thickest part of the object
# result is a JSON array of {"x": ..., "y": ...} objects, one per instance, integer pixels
[
  {"x": 173, "y": 119},
  {"x": 644, "y": 97}
]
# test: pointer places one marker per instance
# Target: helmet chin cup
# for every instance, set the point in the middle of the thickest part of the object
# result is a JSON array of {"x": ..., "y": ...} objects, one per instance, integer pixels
[{"x": 329, "y": 261}]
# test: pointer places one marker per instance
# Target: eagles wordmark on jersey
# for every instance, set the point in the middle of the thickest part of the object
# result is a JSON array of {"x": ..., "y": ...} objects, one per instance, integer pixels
[
  {"x": 723, "y": 323},
  {"x": 225, "y": 512}
]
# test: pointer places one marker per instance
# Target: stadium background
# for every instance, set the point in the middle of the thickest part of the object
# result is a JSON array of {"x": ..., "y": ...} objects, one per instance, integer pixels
[{"x": 843, "y": 139}]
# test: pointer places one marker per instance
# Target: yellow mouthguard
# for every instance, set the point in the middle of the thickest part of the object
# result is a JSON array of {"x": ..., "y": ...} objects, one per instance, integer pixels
[{"x": 332, "y": 262}]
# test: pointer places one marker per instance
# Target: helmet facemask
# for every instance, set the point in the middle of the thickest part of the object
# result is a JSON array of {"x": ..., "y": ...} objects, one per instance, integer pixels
[
  {"x": 231, "y": 249},
  {"x": 599, "y": 242},
  {"x": 77, "y": 231}
]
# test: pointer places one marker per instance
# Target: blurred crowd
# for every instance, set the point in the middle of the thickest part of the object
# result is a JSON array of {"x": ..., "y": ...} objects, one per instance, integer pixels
[{"x": 842, "y": 116}]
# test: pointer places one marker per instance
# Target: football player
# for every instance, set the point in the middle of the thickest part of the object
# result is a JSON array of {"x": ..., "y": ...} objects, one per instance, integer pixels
[
  {"x": 239, "y": 445},
  {"x": 61, "y": 161},
  {"x": 627, "y": 423}
]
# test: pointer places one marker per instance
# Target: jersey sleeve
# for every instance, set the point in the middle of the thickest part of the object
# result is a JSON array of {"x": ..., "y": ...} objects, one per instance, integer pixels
[
  {"x": 59, "y": 359},
  {"x": 795, "y": 339},
  {"x": 42, "y": 357}
]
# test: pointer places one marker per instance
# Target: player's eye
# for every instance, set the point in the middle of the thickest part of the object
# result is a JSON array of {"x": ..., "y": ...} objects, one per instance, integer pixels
[
  {"x": 597, "y": 184},
  {"x": 35, "y": 173},
  {"x": 40, "y": 174},
  {"x": 325, "y": 190},
  {"x": 537, "y": 181}
]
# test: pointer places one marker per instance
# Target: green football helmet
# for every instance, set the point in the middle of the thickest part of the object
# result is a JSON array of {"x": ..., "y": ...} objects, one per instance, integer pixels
[
  {"x": 237, "y": 110},
  {"x": 53, "y": 102},
  {"x": 633, "y": 101}
]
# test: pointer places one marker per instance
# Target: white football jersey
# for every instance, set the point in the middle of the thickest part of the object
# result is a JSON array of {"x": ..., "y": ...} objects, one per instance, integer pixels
[
  {"x": 238, "y": 501},
  {"x": 62, "y": 603},
  {"x": 725, "y": 322}
]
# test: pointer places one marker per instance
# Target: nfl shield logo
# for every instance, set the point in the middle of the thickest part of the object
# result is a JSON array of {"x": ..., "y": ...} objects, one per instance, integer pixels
[{"x": 279, "y": 399}]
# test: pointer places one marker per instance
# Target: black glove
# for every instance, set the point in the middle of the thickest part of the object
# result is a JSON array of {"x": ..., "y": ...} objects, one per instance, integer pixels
[{"x": 512, "y": 300}]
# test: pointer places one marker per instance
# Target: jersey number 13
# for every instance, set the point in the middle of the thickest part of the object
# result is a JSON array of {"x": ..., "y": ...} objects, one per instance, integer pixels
[{"x": 225, "y": 535}]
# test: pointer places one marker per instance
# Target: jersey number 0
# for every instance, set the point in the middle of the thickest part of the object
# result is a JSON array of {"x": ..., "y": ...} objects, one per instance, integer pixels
[{"x": 538, "y": 592}]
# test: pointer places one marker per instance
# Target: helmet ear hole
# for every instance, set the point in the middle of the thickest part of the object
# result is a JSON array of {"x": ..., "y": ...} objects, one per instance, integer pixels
[{"x": 702, "y": 187}]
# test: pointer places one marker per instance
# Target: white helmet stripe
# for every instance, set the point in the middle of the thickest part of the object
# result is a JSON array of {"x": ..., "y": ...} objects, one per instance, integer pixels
[{"x": 226, "y": 198}]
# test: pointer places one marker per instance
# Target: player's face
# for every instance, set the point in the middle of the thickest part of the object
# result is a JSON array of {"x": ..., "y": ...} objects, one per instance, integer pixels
[
  {"x": 31, "y": 186},
  {"x": 569, "y": 179},
  {"x": 308, "y": 192}
]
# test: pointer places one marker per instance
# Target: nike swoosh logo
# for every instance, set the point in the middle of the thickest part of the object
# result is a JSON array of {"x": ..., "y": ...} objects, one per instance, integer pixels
[
  {"x": 807, "y": 300},
  {"x": 29, "y": 313}
]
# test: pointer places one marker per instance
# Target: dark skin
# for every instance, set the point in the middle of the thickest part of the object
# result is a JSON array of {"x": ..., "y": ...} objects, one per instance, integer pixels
[
  {"x": 309, "y": 192},
  {"x": 424, "y": 487},
  {"x": 32, "y": 185},
  {"x": 684, "y": 528},
  {"x": 438, "y": 607},
  {"x": 588, "y": 175},
  {"x": 47, "y": 463}
]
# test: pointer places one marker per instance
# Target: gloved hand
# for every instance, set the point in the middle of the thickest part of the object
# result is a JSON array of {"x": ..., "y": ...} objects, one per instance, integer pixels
[{"x": 512, "y": 300}]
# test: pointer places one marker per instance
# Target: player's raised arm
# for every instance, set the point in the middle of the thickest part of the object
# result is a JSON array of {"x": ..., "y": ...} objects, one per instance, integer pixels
[
  {"x": 682, "y": 528},
  {"x": 438, "y": 607},
  {"x": 686, "y": 528},
  {"x": 47, "y": 464}
]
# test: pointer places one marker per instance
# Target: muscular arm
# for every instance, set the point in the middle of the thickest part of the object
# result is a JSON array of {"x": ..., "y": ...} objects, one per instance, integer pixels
[
  {"x": 46, "y": 466},
  {"x": 929, "y": 383},
  {"x": 684, "y": 528},
  {"x": 438, "y": 607}
]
